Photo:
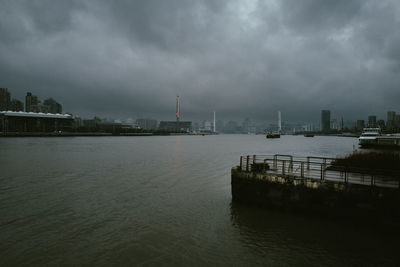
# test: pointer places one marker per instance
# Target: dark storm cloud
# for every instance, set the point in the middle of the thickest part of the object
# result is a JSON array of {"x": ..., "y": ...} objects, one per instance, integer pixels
[{"x": 240, "y": 58}]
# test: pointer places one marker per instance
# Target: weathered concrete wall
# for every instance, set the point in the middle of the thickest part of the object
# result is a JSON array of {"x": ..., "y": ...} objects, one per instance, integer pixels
[{"x": 322, "y": 197}]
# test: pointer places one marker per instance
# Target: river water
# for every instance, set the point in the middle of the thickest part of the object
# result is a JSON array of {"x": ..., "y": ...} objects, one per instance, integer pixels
[{"x": 164, "y": 201}]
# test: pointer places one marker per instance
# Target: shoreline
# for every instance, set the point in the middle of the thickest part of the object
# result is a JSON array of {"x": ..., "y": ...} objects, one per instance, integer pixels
[{"x": 91, "y": 134}]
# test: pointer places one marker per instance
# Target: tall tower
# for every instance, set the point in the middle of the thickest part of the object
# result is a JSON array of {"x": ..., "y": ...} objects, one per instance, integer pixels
[
  {"x": 177, "y": 108},
  {"x": 342, "y": 127},
  {"x": 177, "y": 112},
  {"x": 279, "y": 122},
  {"x": 214, "y": 126}
]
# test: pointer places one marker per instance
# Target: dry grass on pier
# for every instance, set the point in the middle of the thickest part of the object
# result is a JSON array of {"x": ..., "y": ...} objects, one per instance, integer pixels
[{"x": 386, "y": 163}]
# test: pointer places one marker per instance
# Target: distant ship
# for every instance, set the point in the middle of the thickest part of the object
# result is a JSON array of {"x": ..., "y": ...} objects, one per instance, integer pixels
[
  {"x": 278, "y": 133},
  {"x": 273, "y": 135},
  {"x": 309, "y": 135},
  {"x": 369, "y": 136}
]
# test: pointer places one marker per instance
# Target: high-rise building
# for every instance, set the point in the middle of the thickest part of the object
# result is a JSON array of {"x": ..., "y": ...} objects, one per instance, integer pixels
[
  {"x": 397, "y": 121},
  {"x": 372, "y": 121},
  {"x": 31, "y": 102},
  {"x": 16, "y": 105},
  {"x": 5, "y": 99},
  {"x": 53, "y": 106},
  {"x": 391, "y": 117},
  {"x": 360, "y": 125},
  {"x": 325, "y": 120}
]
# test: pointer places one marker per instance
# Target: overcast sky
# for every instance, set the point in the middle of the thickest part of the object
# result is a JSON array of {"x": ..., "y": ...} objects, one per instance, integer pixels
[{"x": 240, "y": 58}]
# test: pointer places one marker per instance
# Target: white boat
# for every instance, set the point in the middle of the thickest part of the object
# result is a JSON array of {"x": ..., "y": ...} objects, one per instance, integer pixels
[
  {"x": 369, "y": 136},
  {"x": 372, "y": 137}
]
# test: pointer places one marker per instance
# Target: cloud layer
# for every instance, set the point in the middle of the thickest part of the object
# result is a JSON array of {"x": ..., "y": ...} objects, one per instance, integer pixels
[{"x": 240, "y": 58}]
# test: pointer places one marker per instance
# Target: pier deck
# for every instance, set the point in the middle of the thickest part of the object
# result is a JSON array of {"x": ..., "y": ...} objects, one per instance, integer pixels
[{"x": 302, "y": 169}]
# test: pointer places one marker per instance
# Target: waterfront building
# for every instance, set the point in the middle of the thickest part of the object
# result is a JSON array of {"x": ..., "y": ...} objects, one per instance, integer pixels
[
  {"x": 181, "y": 126},
  {"x": 146, "y": 124},
  {"x": 325, "y": 120},
  {"x": 372, "y": 121},
  {"x": 11, "y": 121},
  {"x": 206, "y": 126},
  {"x": 92, "y": 124},
  {"x": 4, "y": 99}
]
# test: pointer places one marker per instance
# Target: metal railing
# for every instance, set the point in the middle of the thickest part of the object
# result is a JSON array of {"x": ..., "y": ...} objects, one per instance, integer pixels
[{"x": 317, "y": 168}]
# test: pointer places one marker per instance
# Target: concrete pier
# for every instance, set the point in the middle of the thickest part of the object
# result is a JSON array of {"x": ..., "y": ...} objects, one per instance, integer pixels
[{"x": 284, "y": 188}]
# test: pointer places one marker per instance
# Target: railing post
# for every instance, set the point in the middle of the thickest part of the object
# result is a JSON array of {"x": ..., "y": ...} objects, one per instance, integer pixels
[
  {"x": 322, "y": 172},
  {"x": 283, "y": 167},
  {"x": 241, "y": 162},
  {"x": 291, "y": 164},
  {"x": 302, "y": 170},
  {"x": 265, "y": 162},
  {"x": 308, "y": 163},
  {"x": 254, "y": 159},
  {"x": 275, "y": 161},
  {"x": 247, "y": 163}
]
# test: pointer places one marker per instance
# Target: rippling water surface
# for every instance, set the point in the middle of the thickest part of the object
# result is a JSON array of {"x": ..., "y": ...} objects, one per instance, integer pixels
[{"x": 153, "y": 201}]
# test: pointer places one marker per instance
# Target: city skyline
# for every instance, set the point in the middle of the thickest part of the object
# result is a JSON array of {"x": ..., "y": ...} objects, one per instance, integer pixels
[{"x": 242, "y": 59}]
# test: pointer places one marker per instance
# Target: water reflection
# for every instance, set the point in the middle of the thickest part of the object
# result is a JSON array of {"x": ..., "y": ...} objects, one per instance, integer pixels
[
  {"x": 161, "y": 200},
  {"x": 296, "y": 240}
]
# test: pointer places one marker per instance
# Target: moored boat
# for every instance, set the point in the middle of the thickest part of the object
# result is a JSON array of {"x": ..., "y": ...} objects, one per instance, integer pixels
[
  {"x": 273, "y": 135},
  {"x": 369, "y": 137}
]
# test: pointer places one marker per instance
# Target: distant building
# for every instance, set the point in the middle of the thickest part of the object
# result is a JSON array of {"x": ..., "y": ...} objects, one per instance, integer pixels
[
  {"x": 249, "y": 127},
  {"x": 180, "y": 126},
  {"x": 16, "y": 105},
  {"x": 391, "y": 117},
  {"x": 397, "y": 121},
  {"x": 334, "y": 124},
  {"x": 381, "y": 124},
  {"x": 231, "y": 127},
  {"x": 53, "y": 106},
  {"x": 360, "y": 125},
  {"x": 220, "y": 125},
  {"x": 31, "y": 102},
  {"x": 4, "y": 99},
  {"x": 11, "y": 121},
  {"x": 206, "y": 126},
  {"x": 325, "y": 120},
  {"x": 147, "y": 124},
  {"x": 372, "y": 121},
  {"x": 92, "y": 124}
]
